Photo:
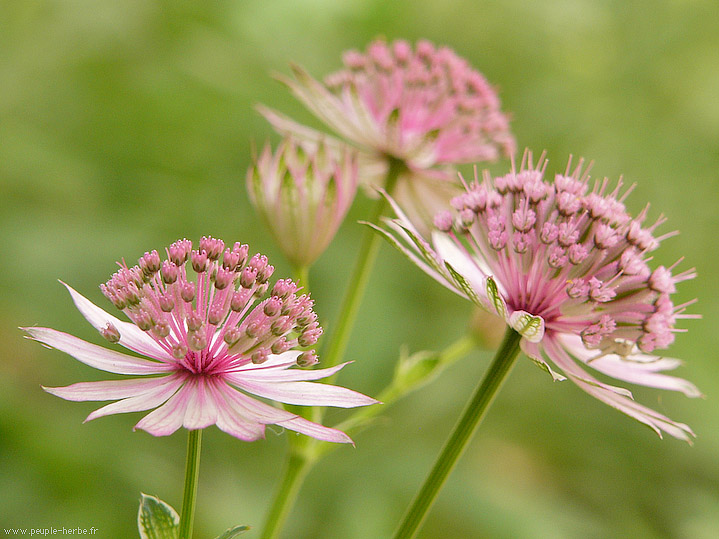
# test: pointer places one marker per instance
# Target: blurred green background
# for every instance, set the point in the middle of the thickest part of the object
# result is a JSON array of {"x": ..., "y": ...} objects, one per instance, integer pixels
[{"x": 127, "y": 125}]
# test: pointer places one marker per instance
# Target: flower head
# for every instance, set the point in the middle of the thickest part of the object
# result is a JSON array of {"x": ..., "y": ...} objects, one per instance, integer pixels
[
  {"x": 207, "y": 345},
  {"x": 303, "y": 191},
  {"x": 566, "y": 267},
  {"x": 423, "y": 107}
]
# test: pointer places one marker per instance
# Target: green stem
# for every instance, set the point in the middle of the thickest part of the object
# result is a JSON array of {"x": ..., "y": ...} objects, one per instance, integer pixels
[
  {"x": 462, "y": 433},
  {"x": 296, "y": 468},
  {"x": 192, "y": 472},
  {"x": 360, "y": 276},
  {"x": 302, "y": 277}
]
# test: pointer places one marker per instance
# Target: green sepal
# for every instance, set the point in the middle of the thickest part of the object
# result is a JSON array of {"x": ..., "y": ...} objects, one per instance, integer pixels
[
  {"x": 421, "y": 245},
  {"x": 157, "y": 519},
  {"x": 542, "y": 365},
  {"x": 464, "y": 285},
  {"x": 233, "y": 532},
  {"x": 496, "y": 298},
  {"x": 528, "y": 326}
]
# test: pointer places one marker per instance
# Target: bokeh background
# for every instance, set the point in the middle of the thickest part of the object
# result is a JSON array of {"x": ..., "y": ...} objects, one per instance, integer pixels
[{"x": 127, "y": 125}]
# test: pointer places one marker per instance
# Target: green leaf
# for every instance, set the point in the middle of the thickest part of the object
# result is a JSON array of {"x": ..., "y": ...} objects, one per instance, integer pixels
[
  {"x": 157, "y": 519},
  {"x": 233, "y": 532}
]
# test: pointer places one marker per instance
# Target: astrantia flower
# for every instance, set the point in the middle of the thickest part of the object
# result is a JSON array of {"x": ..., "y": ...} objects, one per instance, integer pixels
[
  {"x": 207, "y": 345},
  {"x": 566, "y": 267},
  {"x": 303, "y": 191},
  {"x": 425, "y": 108}
]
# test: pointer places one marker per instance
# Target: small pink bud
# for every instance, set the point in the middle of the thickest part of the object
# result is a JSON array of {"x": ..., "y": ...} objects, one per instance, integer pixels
[
  {"x": 143, "y": 320},
  {"x": 187, "y": 292},
  {"x": 194, "y": 322},
  {"x": 259, "y": 357},
  {"x": 179, "y": 350},
  {"x": 197, "y": 340},
  {"x": 110, "y": 333},
  {"x": 307, "y": 359},
  {"x": 168, "y": 272},
  {"x": 200, "y": 261},
  {"x": 213, "y": 247}
]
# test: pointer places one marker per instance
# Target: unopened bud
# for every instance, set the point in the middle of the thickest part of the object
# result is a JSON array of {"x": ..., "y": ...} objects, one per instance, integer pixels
[
  {"x": 110, "y": 333},
  {"x": 259, "y": 357},
  {"x": 187, "y": 292},
  {"x": 179, "y": 350},
  {"x": 143, "y": 320},
  {"x": 307, "y": 359}
]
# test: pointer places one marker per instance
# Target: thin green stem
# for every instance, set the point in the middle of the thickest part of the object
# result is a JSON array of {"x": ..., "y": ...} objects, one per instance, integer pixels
[
  {"x": 192, "y": 472},
  {"x": 462, "y": 433},
  {"x": 296, "y": 468},
  {"x": 360, "y": 276}
]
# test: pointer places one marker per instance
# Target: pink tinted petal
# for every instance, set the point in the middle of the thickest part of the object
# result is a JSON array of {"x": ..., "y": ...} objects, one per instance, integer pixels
[
  {"x": 96, "y": 356},
  {"x": 104, "y": 391},
  {"x": 250, "y": 408},
  {"x": 472, "y": 269},
  {"x": 286, "y": 126},
  {"x": 560, "y": 358},
  {"x": 320, "y": 432},
  {"x": 231, "y": 422},
  {"x": 168, "y": 417},
  {"x": 622, "y": 369},
  {"x": 144, "y": 401},
  {"x": 131, "y": 336},
  {"x": 244, "y": 409},
  {"x": 289, "y": 375},
  {"x": 324, "y": 105},
  {"x": 636, "y": 368},
  {"x": 304, "y": 393},
  {"x": 653, "y": 419},
  {"x": 201, "y": 406}
]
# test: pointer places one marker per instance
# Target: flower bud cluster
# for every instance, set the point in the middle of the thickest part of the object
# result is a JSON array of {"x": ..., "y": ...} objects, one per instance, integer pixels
[{"x": 220, "y": 317}]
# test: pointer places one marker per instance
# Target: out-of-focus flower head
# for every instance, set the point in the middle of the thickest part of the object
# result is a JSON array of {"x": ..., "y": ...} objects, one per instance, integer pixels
[
  {"x": 303, "y": 192},
  {"x": 423, "y": 107},
  {"x": 206, "y": 346},
  {"x": 565, "y": 266}
]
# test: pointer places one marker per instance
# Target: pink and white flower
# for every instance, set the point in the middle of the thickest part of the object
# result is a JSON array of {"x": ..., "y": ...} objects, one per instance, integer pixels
[
  {"x": 206, "y": 346},
  {"x": 566, "y": 267},
  {"x": 424, "y": 107},
  {"x": 303, "y": 191}
]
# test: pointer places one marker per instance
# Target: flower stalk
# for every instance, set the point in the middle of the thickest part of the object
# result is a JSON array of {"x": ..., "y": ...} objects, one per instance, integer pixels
[
  {"x": 297, "y": 466},
  {"x": 462, "y": 433},
  {"x": 192, "y": 472},
  {"x": 360, "y": 276}
]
